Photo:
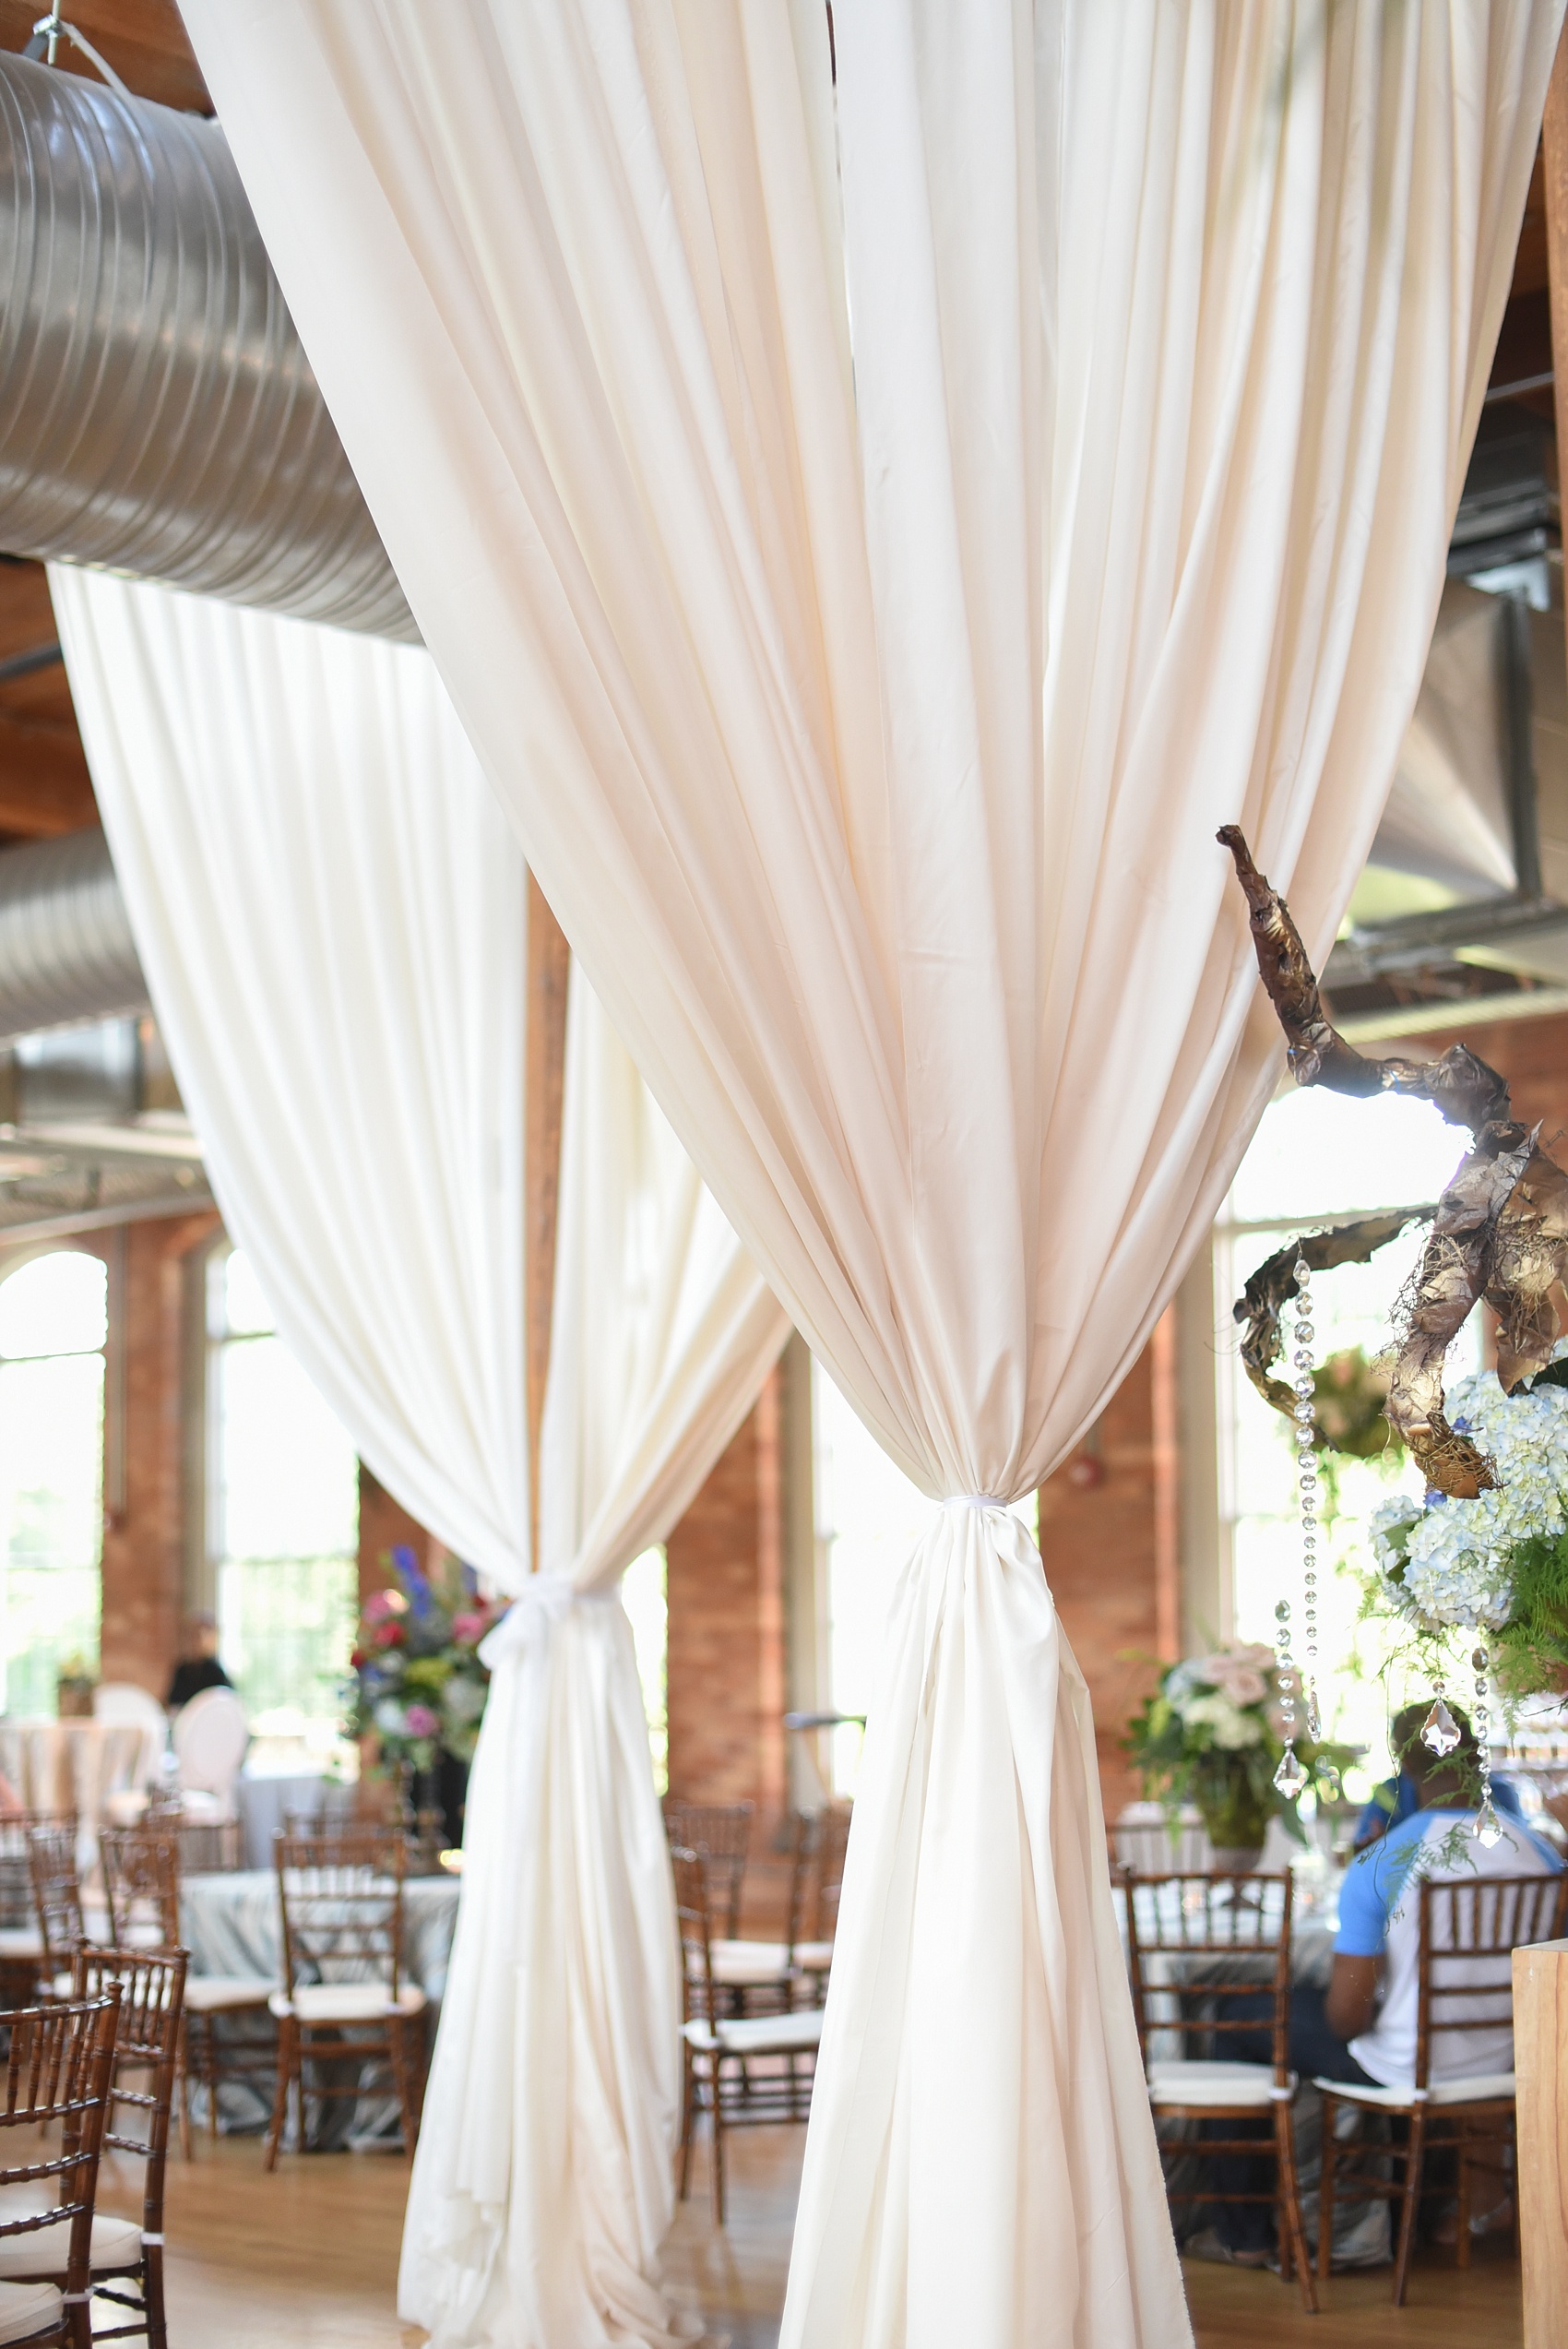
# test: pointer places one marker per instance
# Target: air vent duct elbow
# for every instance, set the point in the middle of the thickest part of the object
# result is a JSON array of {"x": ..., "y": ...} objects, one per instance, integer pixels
[{"x": 66, "y": 952}]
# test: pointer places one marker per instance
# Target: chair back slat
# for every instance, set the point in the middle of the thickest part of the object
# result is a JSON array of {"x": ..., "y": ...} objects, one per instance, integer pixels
[
  {"x": 1240, "y": 1924},
  {"x": 722, "y": 1833},
  {"x": 341, "y": 1898},
  {"x": 1470, "y": 1928}
]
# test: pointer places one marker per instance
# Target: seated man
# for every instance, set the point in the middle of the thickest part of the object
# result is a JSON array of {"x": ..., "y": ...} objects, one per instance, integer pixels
[{"x": 1361, "y": 2028}]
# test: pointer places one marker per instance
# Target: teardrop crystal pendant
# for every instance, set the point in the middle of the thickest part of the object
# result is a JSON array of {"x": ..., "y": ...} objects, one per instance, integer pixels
[
  {"x": 1439, "y": 1732},
  {"x": 1290, "y": 1778},
  {"x": 1314, "y": 1719},
  {"x": 1489, "y": 1827}
]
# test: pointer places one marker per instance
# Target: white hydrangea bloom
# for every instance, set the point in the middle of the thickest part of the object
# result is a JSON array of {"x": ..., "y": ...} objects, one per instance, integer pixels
[
  {"x": 1455, "y": 1554},
  {"x": 1232, "y": 1728}
]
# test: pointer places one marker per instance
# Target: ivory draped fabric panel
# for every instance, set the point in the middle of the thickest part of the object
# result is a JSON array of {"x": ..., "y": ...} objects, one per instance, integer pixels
[
  {"x": 330, "y": 908},
  {"x": 875, "y": 526},
  {"x": 536, "y": 2215}
]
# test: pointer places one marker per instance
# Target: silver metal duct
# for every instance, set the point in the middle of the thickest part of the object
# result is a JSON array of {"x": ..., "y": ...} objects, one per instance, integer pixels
[
  {"x": 158, "y": 415},
  {"x": 67, "y": 953}
]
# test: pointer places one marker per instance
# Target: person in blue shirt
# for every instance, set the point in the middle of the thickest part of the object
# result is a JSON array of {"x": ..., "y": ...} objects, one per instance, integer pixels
[{"x": 1360, "y": 2029}]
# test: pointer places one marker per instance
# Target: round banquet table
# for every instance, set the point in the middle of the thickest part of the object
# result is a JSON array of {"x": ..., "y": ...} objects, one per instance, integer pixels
[
  {"x": 69, "y": 1765},
  {"x": 231, "y": 1924}
]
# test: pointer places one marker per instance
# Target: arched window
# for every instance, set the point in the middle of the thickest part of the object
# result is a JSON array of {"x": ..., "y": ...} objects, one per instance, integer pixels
[
  {"x": 53, "y": 1323},
  {"x": 282, "y": 1517}
]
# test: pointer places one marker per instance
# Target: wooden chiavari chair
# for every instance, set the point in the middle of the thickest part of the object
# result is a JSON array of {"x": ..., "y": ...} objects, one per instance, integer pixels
[
  {"x": 57, "y": 1903},
  {"x": 57, "y": 2075},
  {"x": 126, "y": 2255},
  {"x": 342, "y": 1904},
  {"x": 760, "y": 1977},
  {"x": 1221, "y": 1939},
  {"x": 227, "y": 2028},
  {"x": 764, "y": 2051},
  {"x": 1469, "y": 1932},
  {"x": 814, "y": 1956},
  {"x": 208, "y": 1846},
  {"x": 722, "y": 1833},
  {"x": 21, "y": 1944}
]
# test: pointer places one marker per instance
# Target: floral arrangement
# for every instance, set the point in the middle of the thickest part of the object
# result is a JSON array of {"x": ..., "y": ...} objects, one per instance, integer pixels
[
  {"x": 418, "y": 1686},
  {"x": 1210, "y": 1734},
  {"x": 1497, "y": 1563}
]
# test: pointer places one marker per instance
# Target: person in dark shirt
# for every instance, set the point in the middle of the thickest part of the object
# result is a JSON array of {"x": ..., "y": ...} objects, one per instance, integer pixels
[{"x": 198, "y": 1671}]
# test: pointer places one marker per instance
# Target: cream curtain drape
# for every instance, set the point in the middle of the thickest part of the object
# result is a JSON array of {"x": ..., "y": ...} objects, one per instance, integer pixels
[
  {"x": 875, "y": 524},
  {"x": 330, "y": 909},
  {"x": 543, "y": 2184}
]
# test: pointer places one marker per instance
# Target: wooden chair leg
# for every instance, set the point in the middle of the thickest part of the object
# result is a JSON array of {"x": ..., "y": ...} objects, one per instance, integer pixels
[
  {"x": 288, "y": 2065},
  {"x": 402, "y": 2073},
  {"x": 1292, "y": 2233},
  {"x": 1415, "y": 2163},
  {"x": 1462, "y": 2235},
  {"x": 182, "y": 2086},
  {"x": 1325, "y": 2187},
  {"x": 152, "y": 2296},
  {"x": 718, "y": 2139}
]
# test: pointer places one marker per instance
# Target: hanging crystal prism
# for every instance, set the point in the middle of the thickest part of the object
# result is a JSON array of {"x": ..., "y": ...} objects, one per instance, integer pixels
[
  {"x": 1440, "y": 1732},
  {"x": 1289, "y": 1777},
  {"x": 1306, "y": 1465}
]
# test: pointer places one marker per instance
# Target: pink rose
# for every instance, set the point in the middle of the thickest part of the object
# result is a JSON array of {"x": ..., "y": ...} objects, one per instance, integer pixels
[
  {"x": 469, "y": 1629},
  {"x": 421, "y": 1721},
  {"x": 382, "y": 1604}
]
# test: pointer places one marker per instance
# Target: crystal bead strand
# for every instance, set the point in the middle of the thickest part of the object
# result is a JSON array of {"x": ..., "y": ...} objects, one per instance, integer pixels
[
  {"x": 1489, "y": 1827},
  {"x": 1306, "y": 1461},
  {"x": 1290, "y": 1778}
]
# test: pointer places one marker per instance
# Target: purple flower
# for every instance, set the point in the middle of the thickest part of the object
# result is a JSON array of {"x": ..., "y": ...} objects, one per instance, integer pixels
[{"x": 421, "y": 1721}]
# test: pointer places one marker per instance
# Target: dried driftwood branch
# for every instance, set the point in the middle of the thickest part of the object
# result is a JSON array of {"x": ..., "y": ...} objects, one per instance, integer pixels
[
  {"x": 1273, "y": 1285},
  {"x": 1501, "y": 1228}
]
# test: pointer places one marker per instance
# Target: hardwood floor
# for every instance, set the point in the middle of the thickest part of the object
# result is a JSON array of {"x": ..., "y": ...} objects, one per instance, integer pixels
[{"x": 309, "y": 2256}]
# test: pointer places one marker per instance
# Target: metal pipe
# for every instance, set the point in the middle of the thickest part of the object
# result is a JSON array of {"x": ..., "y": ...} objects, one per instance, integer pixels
[
  {"x": 158, "y": 415},
  {"x": 66, "y": 952}
]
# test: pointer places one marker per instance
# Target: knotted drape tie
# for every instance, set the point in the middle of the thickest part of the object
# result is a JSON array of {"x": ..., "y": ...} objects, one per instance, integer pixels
[
  {"x": 973, "y": 1500},
  {"x": 544, "y": 1598}
]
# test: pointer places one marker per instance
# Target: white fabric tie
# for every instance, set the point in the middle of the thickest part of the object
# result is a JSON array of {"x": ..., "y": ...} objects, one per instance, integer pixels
[
  {"x": 544, "y": 1598},
  {"x": 973, "y": 1500}
]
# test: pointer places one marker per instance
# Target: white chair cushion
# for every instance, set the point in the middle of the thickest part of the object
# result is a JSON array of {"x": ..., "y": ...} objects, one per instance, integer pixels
[
  {"x": 116, "y": 2243},
  {"x": 21, "y": 1941},
  {"x": 741, "y": 1964},
  {"x": 1486, "y": 2087},
  {"x": 215, "y": 1994},
  {"x": 27, "y": 2308},
  {"x": 1211, "y": 2084},
  {"x": 813, "y": 1957},
  {"x": 347, "y": 2001},
  {"x": 759, "y": 2034}
]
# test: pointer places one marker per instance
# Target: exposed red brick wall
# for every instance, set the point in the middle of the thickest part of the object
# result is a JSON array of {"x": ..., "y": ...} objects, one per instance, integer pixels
[
  {"x": 383, "y": 1523},
  {"x": 727, "y": 1653},
  {"x": 144, "y": 1538},
  {"x": 1108, "y": 1533}
]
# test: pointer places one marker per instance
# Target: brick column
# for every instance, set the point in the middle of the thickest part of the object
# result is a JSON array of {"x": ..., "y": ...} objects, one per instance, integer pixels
[
  {"x": 1108, "y": 1536},
  {"x": 727, "y": 1656},
  {"x": 144, "y": 1527}
]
